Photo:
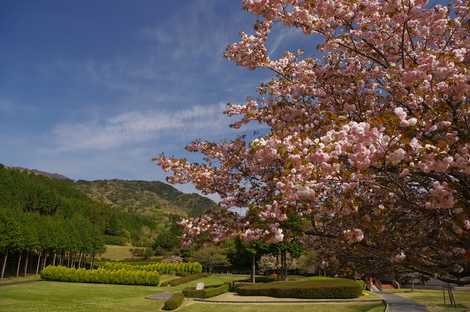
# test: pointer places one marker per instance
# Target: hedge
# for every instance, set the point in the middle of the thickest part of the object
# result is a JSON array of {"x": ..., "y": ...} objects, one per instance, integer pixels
[
  {"x": 185, "y": 279},
  {"x": 207, "y": 292},
  {"x": 308, "y": 289},
  {"x": 124, "y": 277},
  {"x": 161, "y": 267},
  {"x": 174, "y": 302}
]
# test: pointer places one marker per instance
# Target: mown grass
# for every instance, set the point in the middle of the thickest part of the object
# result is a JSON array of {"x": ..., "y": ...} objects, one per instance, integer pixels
[
  {"x": 115, "y": 252},
  {"x": 434, "y": 299},
  {"x": 67, "y": 297},
  {"x": 21, "y": 279},
  {"x": 76, "y": 297},
  {"x": 298, "y": 307}
]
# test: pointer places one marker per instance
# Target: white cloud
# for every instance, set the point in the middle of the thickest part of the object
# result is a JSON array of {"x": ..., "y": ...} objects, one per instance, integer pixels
[{"x": 137, "y": 126}]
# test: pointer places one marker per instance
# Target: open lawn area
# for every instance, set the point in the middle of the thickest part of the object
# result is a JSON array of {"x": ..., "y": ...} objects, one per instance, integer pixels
[
  {"x": 45, "y": 296},
  {"x": 355, "y": 307},
  {"x": 114, "y": 252},
  {"x": 434, "y": 300}
]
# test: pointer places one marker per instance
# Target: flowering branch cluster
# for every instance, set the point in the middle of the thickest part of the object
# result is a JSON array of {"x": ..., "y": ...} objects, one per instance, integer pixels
[{"x": 376, "y": 128}]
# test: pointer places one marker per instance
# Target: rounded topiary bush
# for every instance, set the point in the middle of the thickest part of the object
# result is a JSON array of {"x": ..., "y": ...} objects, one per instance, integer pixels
[
  {"x": 334, "y": 288},
  {"x": 174, "y": 302}
]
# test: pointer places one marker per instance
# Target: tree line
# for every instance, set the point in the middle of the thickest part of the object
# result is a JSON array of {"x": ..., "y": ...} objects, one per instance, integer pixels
[{"x": 47, "y": 221}]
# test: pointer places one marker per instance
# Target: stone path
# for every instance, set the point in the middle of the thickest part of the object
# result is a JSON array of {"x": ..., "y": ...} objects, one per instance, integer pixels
[
  {"x": 400, "y": 304},
  {"x": 160, "y": 296}
]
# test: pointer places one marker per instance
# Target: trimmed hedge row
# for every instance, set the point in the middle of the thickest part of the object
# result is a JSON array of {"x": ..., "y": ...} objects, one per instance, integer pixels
[
  {"x": 308, "y": 289},
  {"x": 207, "y": 292},
  {"x": 124, "y": 277},
  {"x": 161, "y": 267},
  {"x": 185, "y": 279},
  {"x": 174, "y": 302}
]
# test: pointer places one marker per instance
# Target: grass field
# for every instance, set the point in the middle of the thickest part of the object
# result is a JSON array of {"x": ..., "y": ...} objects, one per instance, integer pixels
[
  {"x": 434, "y": 300},
  {"x": 44, "y": 296},
  {"x": 356, "y": 307},
  {"x": 115, "y": 252}
]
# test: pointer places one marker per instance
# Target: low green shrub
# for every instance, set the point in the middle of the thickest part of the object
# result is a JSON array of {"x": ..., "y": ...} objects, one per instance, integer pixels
[
  {"x": 207, "y": 292},
  {"x": 161, "y": 267},
  {"x": 124, "y": 277},
  {"x": 184, "y": 280},
  {"x": 309, "y": 289},
  {"x": 174, "y": 302},
  {"x": 260, "y": 279},
  {"x": 234, "y": 285}
]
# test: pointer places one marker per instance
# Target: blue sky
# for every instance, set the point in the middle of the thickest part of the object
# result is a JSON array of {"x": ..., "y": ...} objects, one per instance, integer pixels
[{"x": 95, "y": 89}]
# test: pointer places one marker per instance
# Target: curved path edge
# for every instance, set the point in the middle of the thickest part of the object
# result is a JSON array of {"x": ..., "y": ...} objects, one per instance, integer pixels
[
  {"x": 396, "y": 303},
  {"x": 329, "y": 301}
]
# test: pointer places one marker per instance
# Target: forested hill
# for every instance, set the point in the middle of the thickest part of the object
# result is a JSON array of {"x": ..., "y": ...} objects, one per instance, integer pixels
[
  {"x": 121, "y": 211},
  {"x": 146, "y": 197}
]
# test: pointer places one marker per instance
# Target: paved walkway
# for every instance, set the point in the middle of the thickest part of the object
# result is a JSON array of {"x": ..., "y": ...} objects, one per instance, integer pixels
[
  {"x": 400, "y": 304},
  {"x": 160, "y": 296},
  {"x": 235, "y": 298}
]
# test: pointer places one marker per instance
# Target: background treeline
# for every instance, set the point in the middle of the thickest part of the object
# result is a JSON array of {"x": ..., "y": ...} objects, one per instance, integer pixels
[
  {"x": 50, "y": 219},
  {"x": 45, "y": 220}
]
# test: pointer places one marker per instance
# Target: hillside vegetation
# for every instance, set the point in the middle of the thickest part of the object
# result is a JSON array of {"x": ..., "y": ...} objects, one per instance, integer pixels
[
  {"x": 47, "y": 218},
  {"x": 147, "y": 198}
]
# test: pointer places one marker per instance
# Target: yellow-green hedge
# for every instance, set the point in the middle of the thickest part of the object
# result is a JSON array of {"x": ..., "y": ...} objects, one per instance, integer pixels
[
  {"x": 161, "y": 267},
  {"x": 122, "y": 276}
]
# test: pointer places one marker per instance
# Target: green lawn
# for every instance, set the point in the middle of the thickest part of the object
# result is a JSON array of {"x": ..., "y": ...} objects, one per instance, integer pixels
[
  {"x": 44, "y": 296},
  {"x": 115, "y": 252},
  {"x": 356, "y": 307},
  {"x": 433, "y": 299},
  {"x": 63, "y": 297},
  {"x": 21, "y": 279},
  {"x": 215, "y": 279}
]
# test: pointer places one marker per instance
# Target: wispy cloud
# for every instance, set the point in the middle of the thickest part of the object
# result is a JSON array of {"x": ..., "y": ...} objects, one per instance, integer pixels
[{"x": 136, "y": 127}]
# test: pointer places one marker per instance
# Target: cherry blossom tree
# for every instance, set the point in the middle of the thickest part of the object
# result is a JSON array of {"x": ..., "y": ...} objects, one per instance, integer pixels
[{"x": 369, "y": 137}]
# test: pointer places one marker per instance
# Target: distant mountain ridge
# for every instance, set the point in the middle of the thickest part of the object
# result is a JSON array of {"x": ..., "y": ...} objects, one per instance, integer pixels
[
  {"x": 41, "y": 173},
  {"x": 147, "y": 198},
  {"x": 126, "y": 211}
]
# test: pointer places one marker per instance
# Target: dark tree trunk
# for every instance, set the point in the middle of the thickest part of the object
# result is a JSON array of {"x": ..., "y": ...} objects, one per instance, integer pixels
[
  {"x": 92, "y": 261},
  {"x": 19, "y": 264},
  {"x": 39, "y": 263},
  {"x": 284, "y": 265},
  {"x": 5, "y": 258},
  {"x": 26, "y": 264}
]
